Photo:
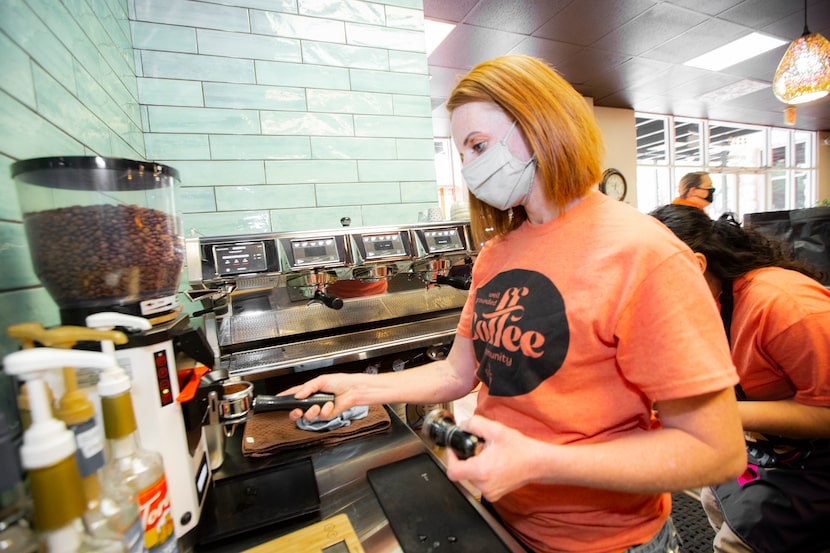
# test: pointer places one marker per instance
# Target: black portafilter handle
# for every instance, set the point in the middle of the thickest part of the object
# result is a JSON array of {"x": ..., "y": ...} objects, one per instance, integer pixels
[
  {"x": 263, "y": 403},
  {"x": 328, "y": 300},
  {"x": 440, "y": 429}
]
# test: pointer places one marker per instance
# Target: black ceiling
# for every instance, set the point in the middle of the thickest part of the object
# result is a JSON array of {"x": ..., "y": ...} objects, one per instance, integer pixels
[{"x": 629, "y": 53}]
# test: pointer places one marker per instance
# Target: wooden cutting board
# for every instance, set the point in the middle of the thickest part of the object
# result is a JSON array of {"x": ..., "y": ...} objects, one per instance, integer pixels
[{"x": 333, "y": 535}]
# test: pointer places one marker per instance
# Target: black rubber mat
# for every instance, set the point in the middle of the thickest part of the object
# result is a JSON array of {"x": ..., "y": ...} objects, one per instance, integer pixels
[
  {"x": 692, "y": 524},
  {"x": 429, "y": 513}
]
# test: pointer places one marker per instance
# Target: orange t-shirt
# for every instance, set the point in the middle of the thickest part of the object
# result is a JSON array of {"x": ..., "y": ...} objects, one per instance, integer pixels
[
  {"x": 579, "y": 325},
  {"x": 781, "y": 336}
]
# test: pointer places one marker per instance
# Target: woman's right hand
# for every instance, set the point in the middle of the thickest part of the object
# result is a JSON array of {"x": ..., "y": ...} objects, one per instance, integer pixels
[{"x": 338, "y": 384}]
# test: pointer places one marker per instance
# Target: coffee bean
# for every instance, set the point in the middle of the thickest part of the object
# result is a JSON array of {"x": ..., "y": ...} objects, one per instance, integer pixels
[{"x": 125, "y": 253}]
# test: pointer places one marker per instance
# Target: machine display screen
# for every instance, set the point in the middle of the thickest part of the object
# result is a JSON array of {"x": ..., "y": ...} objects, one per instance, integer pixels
[
  {"x": 443, "y": 240},
  {"x": 313, "y": 251},
  {"x": 234, "y": 259},
  {"x": 383, "y": 245}
]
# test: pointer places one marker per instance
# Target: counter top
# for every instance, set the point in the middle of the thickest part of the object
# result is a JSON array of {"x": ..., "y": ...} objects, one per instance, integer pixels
[{"x": 340, "y": 472}]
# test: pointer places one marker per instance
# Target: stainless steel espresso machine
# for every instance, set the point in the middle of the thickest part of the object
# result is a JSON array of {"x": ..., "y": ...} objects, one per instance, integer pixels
[
  {"x": 104, "y": 238},
  {"x": 373, "y": 298}
]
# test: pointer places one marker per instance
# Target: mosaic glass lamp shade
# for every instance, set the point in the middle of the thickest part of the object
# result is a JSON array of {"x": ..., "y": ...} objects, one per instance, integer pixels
[{"x": 804, "y": 72}]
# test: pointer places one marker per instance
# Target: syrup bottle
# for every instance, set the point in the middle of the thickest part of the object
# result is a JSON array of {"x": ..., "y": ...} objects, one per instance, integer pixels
[{"x": 140, "y": 469}]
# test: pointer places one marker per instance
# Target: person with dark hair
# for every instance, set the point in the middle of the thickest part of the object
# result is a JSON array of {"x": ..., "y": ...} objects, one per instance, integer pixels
[
  {"x": 777, "y": 317},
  {"x": 574, "y": 329},
  {"x": 695, "y": 189}
]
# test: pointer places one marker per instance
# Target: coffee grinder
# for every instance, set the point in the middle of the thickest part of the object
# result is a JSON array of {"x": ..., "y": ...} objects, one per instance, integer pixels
[{"x": 104, "y": 238}]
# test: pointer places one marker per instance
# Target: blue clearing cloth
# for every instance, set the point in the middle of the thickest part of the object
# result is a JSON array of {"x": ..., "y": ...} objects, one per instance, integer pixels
[{"x": 343, "y": 419}]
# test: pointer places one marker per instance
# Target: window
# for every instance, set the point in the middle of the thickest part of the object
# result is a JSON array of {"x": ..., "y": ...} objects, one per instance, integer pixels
[{"x": 753, "y": 168}]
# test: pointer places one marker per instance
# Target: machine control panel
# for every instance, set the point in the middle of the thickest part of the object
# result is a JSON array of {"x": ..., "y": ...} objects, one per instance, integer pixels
[
  {"x": 383, "y": 246},
  {"x": 235, "y": 259},
  {"x": 441, "y": 240},
  {"x": 315, "y": 251}
]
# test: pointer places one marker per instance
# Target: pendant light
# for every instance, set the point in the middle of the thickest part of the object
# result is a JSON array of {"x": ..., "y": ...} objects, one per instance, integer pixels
[{"x": 804, "y": 72}]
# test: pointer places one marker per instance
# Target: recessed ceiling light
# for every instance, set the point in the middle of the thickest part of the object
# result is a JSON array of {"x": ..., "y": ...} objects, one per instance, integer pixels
[
  {"x": 436, "y": 32},
  {"x": 751, "y": 45}
]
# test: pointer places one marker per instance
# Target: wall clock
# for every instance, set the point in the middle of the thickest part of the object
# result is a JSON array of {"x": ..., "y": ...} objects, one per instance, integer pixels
[{"x": 613, "y": 184}]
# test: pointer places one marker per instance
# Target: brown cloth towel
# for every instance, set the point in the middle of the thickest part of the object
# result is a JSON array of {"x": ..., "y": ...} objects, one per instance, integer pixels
[{"x": 270, "y": 433}]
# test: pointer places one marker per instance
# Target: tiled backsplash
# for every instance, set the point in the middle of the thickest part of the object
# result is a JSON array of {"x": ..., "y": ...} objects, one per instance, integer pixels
[{"x": 278, "y": 114}]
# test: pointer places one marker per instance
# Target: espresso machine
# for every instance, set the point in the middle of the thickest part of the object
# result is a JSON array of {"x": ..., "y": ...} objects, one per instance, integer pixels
[
  {"x": 106, "y": 243},
  {"x": 355, "y": 298}
]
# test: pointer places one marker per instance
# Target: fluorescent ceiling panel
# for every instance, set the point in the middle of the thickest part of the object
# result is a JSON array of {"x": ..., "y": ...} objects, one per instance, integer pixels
[{"x": 751, "y": 45}]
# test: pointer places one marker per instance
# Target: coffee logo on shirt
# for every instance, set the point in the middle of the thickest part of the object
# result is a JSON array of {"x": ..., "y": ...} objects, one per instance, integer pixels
[{"x": 520, "y": 332}]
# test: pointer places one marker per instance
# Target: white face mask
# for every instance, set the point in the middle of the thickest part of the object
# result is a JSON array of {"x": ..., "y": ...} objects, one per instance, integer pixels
[{"x": 498, "y": 178}]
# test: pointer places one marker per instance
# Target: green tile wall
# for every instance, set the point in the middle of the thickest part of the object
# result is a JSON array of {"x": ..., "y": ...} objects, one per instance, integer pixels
[{"x": 278, "y": 114}]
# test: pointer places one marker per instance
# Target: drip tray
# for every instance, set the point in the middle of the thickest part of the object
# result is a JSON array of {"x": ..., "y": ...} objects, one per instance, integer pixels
[
  {"x": 427, "y": 512},
  {"x": 276, "y": 495}
]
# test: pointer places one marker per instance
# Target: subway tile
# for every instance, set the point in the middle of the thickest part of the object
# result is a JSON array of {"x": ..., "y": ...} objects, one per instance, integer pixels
[
  {"x": 279, "y": 172},
  {"x": 97, "y": 43},
  {"x": 405, "y": 18},
  {"x": 305, "y": 124},
  {"x": 34, "y": 136},
  {"x": 359, "y": 193},
  {"x": 288, "y": 6},
  {"x": 195, "y": 199},
  {"x": 196, "y": 67},
  {"x": 415, "y": 148},
  {"x": 248, "y": 46},
  {"x": 14, "y": 257},
  {"x": 297, "y": 26},
  {"x": 251, "y": 96},
  {"x": 381, "y": 81},
  {"x": 16, "y": 72},
  {"x": 98, "y": 101},
  {"x": 408, "y": 62},
  {"x": 340, "y": 55},
  {"x": 24, "y": 306},
  {"x": 240, "y": 198},
  {"x": 259, "y": 147},
  {"x": 169, "y": 92},
  {"x": 383, "y": 170},
  {"x": 202, "y": 120},
  {"x": 355, "y": 10},
  {"x": 28, "y": 31},
  {"x": 9, "y": 207},
  {"x": 193, "y": 14},
  {"x": 67, "y": 113},
  {"x": 390, "y": 126},
  {"x": 340, "y": 101},
  {"x": 176, "y": 146},
  {"x": 226, "y": 223},
  {"x": 391, "y": 214},
  {"x": 170, "y": 38},
  {"x": 134, "y": 149},
  {"x": 287, "y": 220},
  {"x": 423, "y": 191},
  {"x": 301, "y": 75},
  {"x": 352, "y": 148},
  {"x": 219, "y": 173},
  {"x": 385, "y": 37},
  {"x": 416, "y": 106},
  {"x": 415, "y": 4}
]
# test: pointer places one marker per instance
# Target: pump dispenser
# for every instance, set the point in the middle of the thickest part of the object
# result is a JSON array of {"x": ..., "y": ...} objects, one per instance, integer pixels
[
  {"x": 112, "y": 511},
  {"x": 48, "y": 456},
  {"x": 140, "y": 469}
]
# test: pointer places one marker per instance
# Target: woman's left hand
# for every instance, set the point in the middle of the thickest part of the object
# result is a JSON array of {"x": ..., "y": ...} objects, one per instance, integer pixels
[{"x": 500, "y": 467}]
